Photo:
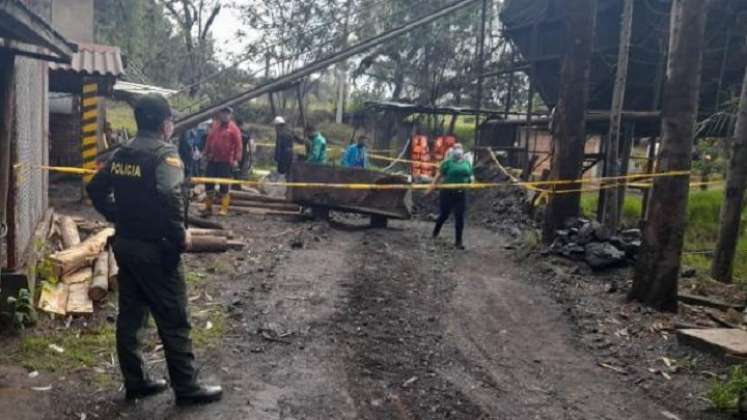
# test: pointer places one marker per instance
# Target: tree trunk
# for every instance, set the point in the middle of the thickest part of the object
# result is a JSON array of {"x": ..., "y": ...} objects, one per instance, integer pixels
[
  {"x": 69, "y": 232},
  {"x": 80, "y": 255},
  {"x": 731, "y": 212},
  {"x": 656, "y": 276},
  {"x": 610, "y": 216},
  {"x": 100, "y": 284},
  {"x": 208, "y": 244},
  {"x": 570, "y": 133}
]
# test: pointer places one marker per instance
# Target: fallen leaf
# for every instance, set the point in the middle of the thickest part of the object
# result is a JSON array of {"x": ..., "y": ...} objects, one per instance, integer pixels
[
  {"x": 55, "y": 347},
  {"x": 209, "y": 325},
  {"x": 410, "y": 381},
  {"x": 42, "y": 388},
  {"x": 33, "y": 374}
]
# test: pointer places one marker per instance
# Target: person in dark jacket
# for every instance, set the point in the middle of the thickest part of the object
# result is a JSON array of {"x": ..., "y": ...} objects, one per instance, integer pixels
[
  {"x": 140, "y": 191},
  {"x": 283, "y": 145}
]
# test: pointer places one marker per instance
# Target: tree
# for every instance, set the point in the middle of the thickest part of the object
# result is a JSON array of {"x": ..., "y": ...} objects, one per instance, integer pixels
[
  {"x": 731, "y": 212},
  {"x": 195, "y": 19},
  {"x": 569, "y": 136},
  {"x": 152, "y": 51},
  {"x": 657, "y": 272}
]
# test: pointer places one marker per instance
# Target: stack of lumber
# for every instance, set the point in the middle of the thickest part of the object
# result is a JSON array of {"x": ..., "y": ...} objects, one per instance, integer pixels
[
  {"x": 83, "y": 272},
  {"x": 246, "y": 202}
]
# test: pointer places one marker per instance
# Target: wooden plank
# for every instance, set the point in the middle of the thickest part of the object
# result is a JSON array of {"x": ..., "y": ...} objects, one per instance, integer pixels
[
  {"x": 78, "y": 301},
  {"x": 262, "y": 211},
  {"x": 708, "y": 302},
  {"x": 53, "y": 299},
  {"x": 719, "y": 341}
]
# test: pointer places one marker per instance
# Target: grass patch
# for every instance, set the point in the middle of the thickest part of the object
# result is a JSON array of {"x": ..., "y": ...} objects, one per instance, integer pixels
[
  {"x": 724, "y": 395},
  {"x": 202, "y": 336},
  {"x": 87, "y": 349},
  {"x": 194, "y": 278},
  {"x": 703, "y": 212}
]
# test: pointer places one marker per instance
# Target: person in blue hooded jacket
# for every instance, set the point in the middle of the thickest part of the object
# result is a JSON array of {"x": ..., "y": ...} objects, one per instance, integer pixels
[{"x": 356, "y": 155}]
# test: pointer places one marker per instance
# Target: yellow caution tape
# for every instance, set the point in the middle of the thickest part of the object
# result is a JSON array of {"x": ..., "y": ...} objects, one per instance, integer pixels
[{"x": 534, "y": 185}]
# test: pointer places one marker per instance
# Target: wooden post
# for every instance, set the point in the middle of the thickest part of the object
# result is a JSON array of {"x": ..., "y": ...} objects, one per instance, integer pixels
[
  {"x": 89, "y": 127},
  {"x": 569, "y": 137},
  {"x": 7, "y": 70},
  {"x": 626, "y": 150},
  {"x": 650, "y": 166},
  {"x": 656, "y": 277},
  {"x": 610, "y": 216},
  {"x": 301, "y": 113},
  {"x": 736, "y": 182},
  {"x": 530, "y": 105},
  {"x": 480, "y": 75}
]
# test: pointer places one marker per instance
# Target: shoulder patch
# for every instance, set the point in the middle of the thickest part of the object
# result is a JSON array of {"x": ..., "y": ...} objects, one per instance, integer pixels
[{"x": 174, "y": 161}]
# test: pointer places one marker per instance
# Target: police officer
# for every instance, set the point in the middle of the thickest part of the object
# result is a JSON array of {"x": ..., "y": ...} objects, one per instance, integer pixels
[{"x": 145, "y": 177}]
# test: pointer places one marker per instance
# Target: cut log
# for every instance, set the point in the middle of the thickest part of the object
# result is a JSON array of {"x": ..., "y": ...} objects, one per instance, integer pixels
[
  {"x": 113, "y": 271},
  {"x": 100, "y": 283},
  {"x": 53, "y": 299},
  {"x": 202, "y": 223},
  {"x": 211, "y": 232},
  {"x": 69, "y": 232},
  {"x": 235, "y": 245},
  {"x": 263, "y": 212},
  {"x": 83, "y": 275},
  {"x": 78, "y": 301},
  {"x": 202, "y": 244},
  {"x": 268, "y": 206},
  {"x": 708, "y": 302},
  {"x": 247, "y": 196},
  {"x": 80, "y": 255}
]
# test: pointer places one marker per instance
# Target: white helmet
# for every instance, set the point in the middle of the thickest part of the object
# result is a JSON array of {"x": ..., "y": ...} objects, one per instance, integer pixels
[{"x": 278, "y": 120}]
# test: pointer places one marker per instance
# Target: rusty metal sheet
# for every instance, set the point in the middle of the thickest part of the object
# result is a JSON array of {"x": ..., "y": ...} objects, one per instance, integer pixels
[{"x": 396, "y": 204}]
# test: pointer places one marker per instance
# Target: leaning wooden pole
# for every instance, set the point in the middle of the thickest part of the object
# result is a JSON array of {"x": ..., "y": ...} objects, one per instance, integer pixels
[
  {"x": 569, "y": 137},
  {"x": 657, "y": 273},
  {"x": 610, "y": 216},
  {"x": 731, "y": 212}
]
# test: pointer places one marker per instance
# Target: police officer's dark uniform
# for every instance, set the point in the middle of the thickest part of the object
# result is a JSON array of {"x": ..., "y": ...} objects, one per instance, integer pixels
[{"x": 140, "y": 191}]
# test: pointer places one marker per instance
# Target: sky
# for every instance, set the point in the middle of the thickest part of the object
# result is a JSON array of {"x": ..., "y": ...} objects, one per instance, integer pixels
[{"x": 224, "y": 31}]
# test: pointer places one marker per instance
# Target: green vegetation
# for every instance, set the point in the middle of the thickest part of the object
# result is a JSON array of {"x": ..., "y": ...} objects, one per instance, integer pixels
[
  {"x": 702, "y": 230},
  {"x": 22, "y": 310},
  {"x": 202, "y": 336},
  {"x": 86, "y": 349},
  {"x": 193, "y": 278},
  {"x": 120, "y": 116},
  {"x": 724, "y": 395}
]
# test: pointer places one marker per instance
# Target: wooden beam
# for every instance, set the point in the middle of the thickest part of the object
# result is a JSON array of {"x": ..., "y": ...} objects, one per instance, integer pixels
[{"x": 569, "y": 137}]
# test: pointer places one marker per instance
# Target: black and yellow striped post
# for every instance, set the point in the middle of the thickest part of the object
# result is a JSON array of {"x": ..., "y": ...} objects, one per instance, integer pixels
[{"x": 89, "y": 127}]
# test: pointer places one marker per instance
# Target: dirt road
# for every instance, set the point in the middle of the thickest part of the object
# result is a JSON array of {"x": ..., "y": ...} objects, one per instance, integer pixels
[{"x": 388, "y": 324}]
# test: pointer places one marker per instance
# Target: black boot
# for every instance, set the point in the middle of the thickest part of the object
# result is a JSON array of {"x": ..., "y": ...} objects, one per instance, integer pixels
[
  {"x": 147, "y": 389},
  {"x": 202, "y": 394}
]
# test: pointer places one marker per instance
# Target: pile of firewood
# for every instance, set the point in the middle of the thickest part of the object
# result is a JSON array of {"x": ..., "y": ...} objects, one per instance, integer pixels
[{"x": 85, "y": 271}]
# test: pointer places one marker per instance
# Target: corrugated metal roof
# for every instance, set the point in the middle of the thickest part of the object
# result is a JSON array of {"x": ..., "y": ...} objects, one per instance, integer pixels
[
  {"x": 94, "y": 60},
  {"x": 140, "y": 89}
]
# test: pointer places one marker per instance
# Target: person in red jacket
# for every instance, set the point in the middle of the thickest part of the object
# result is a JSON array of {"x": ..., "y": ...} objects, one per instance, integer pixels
[{"x": 223, "y": 153}]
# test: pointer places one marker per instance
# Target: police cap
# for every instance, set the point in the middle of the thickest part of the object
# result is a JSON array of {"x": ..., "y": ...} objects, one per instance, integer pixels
[{"x": 151, "y": 111}]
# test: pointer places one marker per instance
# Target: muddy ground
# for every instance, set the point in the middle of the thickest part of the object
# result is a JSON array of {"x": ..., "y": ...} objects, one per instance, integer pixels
[{"x": 336, "y": 321}]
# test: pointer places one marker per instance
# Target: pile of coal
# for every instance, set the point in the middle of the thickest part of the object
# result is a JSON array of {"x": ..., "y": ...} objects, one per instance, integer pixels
[{"x": 589, "y": 241}]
